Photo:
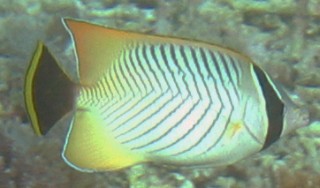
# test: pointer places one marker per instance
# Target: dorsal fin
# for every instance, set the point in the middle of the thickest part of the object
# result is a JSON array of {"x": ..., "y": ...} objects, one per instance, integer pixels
[{"x": 96, "y": 48}]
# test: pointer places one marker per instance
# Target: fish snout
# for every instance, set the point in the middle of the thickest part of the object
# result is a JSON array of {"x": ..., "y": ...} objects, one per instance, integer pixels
[{"x": 294, "y": 118}]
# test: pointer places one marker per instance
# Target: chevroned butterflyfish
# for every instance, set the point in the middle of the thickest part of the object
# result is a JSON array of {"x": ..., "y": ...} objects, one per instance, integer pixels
[{"x": 143, "y": 98}]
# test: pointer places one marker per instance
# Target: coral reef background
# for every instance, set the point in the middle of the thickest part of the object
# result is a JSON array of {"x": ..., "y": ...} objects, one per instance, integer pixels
[{"x": 283, "y": 37}]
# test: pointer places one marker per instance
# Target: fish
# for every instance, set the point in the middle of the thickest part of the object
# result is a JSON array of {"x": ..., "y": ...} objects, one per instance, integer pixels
[{"x": 141, "y": 98}]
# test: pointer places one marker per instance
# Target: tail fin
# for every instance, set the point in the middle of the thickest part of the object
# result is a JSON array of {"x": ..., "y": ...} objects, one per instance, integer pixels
[{"x": 48, "y": 91}]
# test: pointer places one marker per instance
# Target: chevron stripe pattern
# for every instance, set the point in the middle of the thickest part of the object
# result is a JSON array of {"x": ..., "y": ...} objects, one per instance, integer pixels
[{"x": 179, "y": 101}]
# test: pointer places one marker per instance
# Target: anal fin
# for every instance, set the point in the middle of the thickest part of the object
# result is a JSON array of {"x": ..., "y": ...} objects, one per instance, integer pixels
[{"x": 90, "y": 146}]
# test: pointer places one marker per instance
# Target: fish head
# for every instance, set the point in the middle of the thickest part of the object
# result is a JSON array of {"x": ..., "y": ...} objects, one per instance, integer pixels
[{"x": 294, "y": 118}]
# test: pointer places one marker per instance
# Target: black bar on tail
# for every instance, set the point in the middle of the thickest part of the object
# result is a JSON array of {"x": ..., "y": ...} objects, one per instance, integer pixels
[
  {"x": 274, "y": 107},
  {"x": 52, "y": 92}
]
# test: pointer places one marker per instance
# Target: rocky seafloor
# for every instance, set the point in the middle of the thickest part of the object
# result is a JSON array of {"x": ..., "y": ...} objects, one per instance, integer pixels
[{"x": 283, "y": 37}]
